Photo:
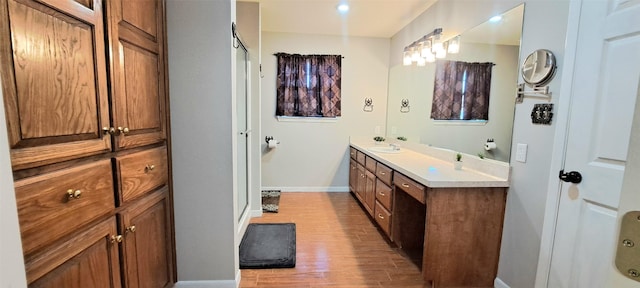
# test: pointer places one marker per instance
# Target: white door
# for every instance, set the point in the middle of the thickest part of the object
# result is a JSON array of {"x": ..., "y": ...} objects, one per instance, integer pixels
[{"x": 604, "y": 93}]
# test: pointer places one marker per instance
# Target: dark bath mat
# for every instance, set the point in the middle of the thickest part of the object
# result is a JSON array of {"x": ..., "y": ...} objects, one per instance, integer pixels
[
  {"x": 270, "y": 200},
  {"x": 268, "y": 245}
]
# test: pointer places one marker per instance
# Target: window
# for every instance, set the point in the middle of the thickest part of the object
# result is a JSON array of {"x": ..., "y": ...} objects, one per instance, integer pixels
[
  {"x": 308, "y": 85},
  {"x": 461, "y": 91}
]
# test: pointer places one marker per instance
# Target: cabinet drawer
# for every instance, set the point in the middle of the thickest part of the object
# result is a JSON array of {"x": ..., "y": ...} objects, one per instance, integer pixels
[
  {"x": 384, "y": 173},
  {"x": 47, "y": 212},
  {"x": 370, "y": 164},
  {"x": 352, "y": 152},
  {"x": 360, "y": 157},
  {"x": 142, "y": 172},
  {"x": 415, "y": 189},
  {"x": 383, "y": 194},
  {"x": 383, "y": 218}
]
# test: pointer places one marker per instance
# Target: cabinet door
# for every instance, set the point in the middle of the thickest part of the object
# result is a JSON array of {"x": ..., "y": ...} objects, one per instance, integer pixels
[
  {"x": 54, "y": 80},
  {"x": 147, "y": 260},
  {"x": 353, "y": 175},
  {"x": 136, "y": 40},
  {"x": 88, "y": 260},
  {"x": 369, "y": 191},
  {"x": 360, "y": 182}
]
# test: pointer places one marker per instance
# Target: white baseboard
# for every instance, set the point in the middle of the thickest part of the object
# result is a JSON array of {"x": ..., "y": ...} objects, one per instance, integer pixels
[
  {"x": 256, "y": 213},
  {"x": 208, "y": 284},
  {"x": 500, "y": 284},
  {"x": 310, "y": 189}
]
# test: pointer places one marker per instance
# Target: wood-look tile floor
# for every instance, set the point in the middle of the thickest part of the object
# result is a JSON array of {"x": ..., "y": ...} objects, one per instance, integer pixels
[{"x": 337, "y": 246}]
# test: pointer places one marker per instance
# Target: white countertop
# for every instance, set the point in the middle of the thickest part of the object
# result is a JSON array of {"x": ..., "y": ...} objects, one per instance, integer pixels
[{"x": 431, "y": 171}]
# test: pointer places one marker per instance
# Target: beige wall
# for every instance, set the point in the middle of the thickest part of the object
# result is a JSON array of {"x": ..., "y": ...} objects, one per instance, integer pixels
[
  {"x": 201, "y": 69},
  {"x": 313, "y": 156}
]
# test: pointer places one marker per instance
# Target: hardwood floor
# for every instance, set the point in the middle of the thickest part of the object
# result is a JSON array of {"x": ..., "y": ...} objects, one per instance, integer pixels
[{"x": 337, "y": 246}]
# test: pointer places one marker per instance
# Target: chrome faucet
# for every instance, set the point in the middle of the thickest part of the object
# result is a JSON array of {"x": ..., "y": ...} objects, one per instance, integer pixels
[{"x": 395, "y": 146}]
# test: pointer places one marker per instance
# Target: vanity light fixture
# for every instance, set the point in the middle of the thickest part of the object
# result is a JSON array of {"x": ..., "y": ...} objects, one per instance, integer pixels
[{"x": 428, "y": 48}]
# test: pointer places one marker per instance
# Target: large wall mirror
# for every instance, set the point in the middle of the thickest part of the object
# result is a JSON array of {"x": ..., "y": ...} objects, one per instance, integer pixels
[{"x": 496, "y": 41}]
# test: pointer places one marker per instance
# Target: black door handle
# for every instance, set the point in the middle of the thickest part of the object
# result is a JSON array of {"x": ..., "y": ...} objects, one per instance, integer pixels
[{"x": 572, "y": 177}]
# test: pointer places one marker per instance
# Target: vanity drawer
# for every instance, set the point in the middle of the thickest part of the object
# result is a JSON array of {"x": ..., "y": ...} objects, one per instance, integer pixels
[
  {"x": 384, "y": 194},
  {"x": 415, "y": 189},
  {"x": 383, "y": 218},
  {"x": 142, "y": 172},
  {"x": 370, "y": 164},
  {"x": 360, "y": 157},
  {"x": 352, "y": 152},
  {"x": 384, "y": 173},
  {"x": 46, "y": 211}
]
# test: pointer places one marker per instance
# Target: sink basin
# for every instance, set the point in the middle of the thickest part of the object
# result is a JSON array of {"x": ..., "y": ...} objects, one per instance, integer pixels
[{"x": 383, "y": 149}]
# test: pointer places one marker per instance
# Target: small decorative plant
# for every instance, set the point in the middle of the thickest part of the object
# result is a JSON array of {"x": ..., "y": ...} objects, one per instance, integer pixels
[
  {"x": 481, "y": 155},
  {"x": 402, "y": 138},
  {"x": 458, "y": 163},
  {"x": 378, "y": 139}
]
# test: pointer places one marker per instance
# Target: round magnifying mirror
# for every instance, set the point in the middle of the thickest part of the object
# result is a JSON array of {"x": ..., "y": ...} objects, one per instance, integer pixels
[{"x": 539, "y": 67}]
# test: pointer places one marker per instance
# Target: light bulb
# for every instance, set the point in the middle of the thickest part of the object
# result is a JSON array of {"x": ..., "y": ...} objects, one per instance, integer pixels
[
  {"x": 406, "y": 57},
  {"x": 442, "y": 53},
  {"x": 421, "y": 62},
  {"x": 454, "y": 45},
  {"x": 430, "y": 57}
]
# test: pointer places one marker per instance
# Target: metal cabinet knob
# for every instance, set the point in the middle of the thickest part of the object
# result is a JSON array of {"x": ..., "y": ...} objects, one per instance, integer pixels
[
  {"x": 131, "y": 229},
  {"x": 124, "y": 130},
  {"x": 116, "y": 238},
  {"x": 74, "y": 194}
]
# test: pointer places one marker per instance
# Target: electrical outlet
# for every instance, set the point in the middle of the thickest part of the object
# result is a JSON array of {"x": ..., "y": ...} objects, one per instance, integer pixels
[{"x": 521, "y": 153}]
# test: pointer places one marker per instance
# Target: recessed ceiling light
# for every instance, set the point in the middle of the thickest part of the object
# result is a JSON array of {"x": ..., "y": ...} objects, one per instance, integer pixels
[
  {"x": 343, "y": 8},
  {"x": 495, "y": 19}
]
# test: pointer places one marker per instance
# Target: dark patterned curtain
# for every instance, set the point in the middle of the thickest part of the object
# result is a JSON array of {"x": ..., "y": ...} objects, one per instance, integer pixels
[
  {"x": 451, "y": 87},
  {"x": 478, "y": 89},
  {"x": 308, "y": 85}
]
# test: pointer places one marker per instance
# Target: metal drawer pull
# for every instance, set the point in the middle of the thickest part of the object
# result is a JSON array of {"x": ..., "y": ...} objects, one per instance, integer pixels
[
  {"x": 405, "y": 185},
  {"x": 117, "y": 238},
  {"x": 382, "y": 173},
  {"x": 74, "y": 194},
  {"x": 131, "y": 229},
  {"x": 381, "y": 193},
  {"x": 380, "y": 216},
  {"x": 149, "y": 167}
]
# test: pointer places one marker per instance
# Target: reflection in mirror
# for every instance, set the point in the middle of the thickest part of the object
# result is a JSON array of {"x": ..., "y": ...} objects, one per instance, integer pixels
[{"x": 496, "y": 42}]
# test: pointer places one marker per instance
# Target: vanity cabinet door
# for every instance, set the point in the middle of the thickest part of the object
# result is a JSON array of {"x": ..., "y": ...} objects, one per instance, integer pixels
[
  {"x": 369, "y": 191},
  {"x": 360, "y": 183},
  {"x": 353, "y": 175}
]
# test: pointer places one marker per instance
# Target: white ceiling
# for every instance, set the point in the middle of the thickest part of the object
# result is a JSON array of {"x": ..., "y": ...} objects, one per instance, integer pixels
[
  {"x": 504, "y": 32},
  {"x": 367, "y": 18}
]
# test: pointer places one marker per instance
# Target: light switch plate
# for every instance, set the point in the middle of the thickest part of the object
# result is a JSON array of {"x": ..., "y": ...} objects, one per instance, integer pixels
[{"x": 521, "y": 153}]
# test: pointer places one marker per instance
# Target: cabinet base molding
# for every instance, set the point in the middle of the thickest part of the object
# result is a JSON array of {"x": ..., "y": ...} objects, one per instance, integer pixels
[{"x": 207, "y": 284}]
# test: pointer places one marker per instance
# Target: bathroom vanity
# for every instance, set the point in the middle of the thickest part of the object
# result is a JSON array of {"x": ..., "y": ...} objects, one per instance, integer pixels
[{"x": 449, "y": 222}]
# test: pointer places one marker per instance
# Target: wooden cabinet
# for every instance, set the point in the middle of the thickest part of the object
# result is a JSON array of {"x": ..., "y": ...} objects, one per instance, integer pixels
[
  {"x": 145, "y": 225},
  {"x": 353, "y": 175},
  {"x": 360, "y": 183},
  {"x": 136, "y": 39},
  {"x": 369, "y": 191},
  {"x": 54, "y": 80},
  {"x": 84, "y": 86},
  {"x": 90, "y": 259}
]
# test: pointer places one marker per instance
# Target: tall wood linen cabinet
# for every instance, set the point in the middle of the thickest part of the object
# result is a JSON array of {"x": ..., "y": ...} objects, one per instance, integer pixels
[{"x": 84, "y": 85}]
